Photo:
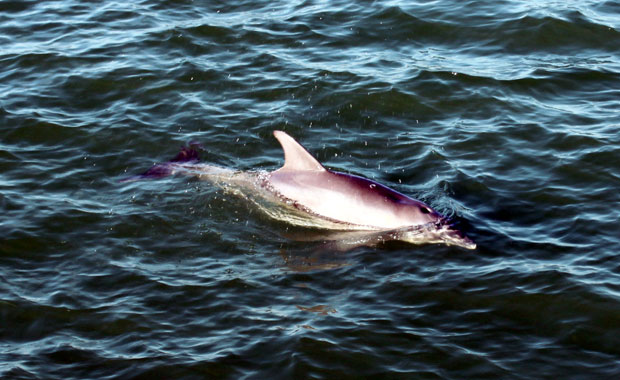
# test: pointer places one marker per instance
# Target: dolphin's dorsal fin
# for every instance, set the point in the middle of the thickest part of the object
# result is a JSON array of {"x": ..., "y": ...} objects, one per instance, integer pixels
[{"x": 296, "y": 157}]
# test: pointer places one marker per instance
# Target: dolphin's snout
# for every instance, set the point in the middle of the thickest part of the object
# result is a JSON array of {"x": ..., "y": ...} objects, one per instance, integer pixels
[{"x": 456, "y": 237}]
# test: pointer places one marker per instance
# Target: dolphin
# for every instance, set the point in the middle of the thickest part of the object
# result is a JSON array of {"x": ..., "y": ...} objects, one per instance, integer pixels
[{"x": 305, "y": 193}]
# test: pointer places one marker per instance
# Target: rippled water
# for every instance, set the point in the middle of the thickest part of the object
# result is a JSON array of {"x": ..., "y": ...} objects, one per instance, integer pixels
[{"x": 505, "y": 115}]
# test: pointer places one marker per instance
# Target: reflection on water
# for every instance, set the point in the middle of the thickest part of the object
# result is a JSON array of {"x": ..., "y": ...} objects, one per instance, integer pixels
[{"x": 318, "y": 309}]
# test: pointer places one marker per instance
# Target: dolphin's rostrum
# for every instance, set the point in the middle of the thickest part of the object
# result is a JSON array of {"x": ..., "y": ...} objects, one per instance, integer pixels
[{"x": 304, "y": 193}]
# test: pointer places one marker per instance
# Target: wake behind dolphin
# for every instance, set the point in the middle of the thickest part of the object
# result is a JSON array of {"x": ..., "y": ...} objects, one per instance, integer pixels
[{"x": 304, "y": 193}]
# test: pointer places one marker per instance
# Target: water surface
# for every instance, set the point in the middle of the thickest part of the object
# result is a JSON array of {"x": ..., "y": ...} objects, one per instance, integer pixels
[{"x": 504, "y": 115}]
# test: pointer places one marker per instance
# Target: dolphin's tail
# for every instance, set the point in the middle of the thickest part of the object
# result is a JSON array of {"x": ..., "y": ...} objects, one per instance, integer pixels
[{"x": 188, "y": 155}]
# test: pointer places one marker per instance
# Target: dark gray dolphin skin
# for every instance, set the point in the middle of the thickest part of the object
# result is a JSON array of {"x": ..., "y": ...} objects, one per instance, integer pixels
[{"x": 304, "y": 193}]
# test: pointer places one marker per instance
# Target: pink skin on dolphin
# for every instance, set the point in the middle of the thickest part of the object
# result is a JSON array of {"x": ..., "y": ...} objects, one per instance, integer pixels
[
  {"x": 344, "y": 197},
  {"x": 302, "y": 192}
]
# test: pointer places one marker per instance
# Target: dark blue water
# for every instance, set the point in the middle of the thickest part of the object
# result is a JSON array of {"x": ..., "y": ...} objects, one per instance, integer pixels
[{"x": 504, "y": 115}]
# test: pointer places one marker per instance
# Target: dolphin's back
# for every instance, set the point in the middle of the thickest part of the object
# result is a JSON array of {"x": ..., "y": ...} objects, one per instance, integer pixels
[{"x": 348, "y": 198}]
